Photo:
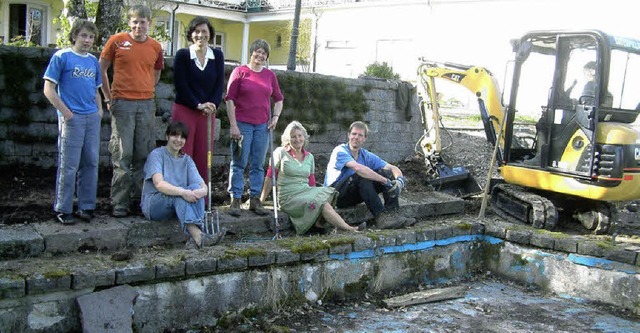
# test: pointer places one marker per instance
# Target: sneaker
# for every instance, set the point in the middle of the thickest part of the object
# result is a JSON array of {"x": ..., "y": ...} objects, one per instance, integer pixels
[
  {"x": 64, "y": 218},
  {"x": 234, "y": 208},
  {"x": 362, "y": 226},
  {"x": 255, "y": 205},
  {"x": 191, "y": 244},
  {"x": 119, "y": 212},
  {"x": 211, "y": 240},
  {"x": 85, "y": 214}
]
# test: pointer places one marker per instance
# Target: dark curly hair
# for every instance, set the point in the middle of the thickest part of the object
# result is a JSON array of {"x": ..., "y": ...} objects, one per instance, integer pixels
[{"x": 196, "y": 21}]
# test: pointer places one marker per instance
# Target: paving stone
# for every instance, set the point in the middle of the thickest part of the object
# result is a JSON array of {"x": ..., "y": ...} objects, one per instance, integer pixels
[
  {"x": 41, "y": 284},
  {"x": 20, "y": 242},
  {"x": 108, "y": 310},
  {"x": 387, "y": 239},
  {"x": 135, "y": 273},
  {"x": 12, "y": 287},
  {"x": 145, "y": 233},
  {"x": 496, "y": 229},
  {"x": 231, "y": 263},
  {"x": 170, "y": 270},
  {"x": 593, "y": 248},
  {"x": 624, "y": 256},
  {"x": 425, "y": 235},
  {"x": 263, "y": 260},
  {"x": 363, "y": 243},
  {"x": 542, "y": 241},
  {"x": 566, "y": 244},
  {"x": 82, "y": 279},
  {"x": 519, "y": 236},
  {"x": 286, "y": 256},
  {"x": 320, "y": 255},
  {"x": 102, "y": 234},
  {"x": 341, "y": 249},
  {"x": 405, "y": 237},
  {"x": 199, "y": 265},
  {"x": 477, "y": 228},
  {"x": 443, "y": 232}
]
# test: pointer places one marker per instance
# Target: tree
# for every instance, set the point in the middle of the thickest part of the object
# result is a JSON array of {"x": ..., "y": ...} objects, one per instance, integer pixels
[
  {"x": 108, "y": 19},
  {"x": 293, "y": 48}
]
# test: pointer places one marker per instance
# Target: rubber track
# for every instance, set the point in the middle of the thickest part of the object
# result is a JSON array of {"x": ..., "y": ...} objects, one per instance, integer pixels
[{"x": 541, "y": 213}]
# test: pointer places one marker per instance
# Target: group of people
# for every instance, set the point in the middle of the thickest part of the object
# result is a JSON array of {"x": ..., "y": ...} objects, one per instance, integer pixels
[{"x": 170, "y": 181}]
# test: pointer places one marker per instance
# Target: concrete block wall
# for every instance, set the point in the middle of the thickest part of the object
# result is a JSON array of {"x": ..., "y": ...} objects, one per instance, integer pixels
[{"x": 32, "y": 141}]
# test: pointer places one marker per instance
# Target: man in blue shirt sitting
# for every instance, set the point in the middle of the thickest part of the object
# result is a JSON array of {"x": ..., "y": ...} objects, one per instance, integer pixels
[{"x": 360, "y": 175}]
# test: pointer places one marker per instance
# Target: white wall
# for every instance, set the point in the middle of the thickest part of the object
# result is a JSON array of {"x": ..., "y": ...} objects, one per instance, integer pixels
[{"x": 466, "y": 32}]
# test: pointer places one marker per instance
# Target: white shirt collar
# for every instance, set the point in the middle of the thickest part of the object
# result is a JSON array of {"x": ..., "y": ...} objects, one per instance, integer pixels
[{"x": 194, "y": 57}]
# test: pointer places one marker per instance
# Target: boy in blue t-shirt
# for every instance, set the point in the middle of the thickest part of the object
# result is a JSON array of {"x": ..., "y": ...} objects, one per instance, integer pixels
[{"x": 71, "y": 85}]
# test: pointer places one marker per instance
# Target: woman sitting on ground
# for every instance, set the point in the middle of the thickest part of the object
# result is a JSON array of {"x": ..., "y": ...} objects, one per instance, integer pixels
[
  {"x": 297, "y": 194},
  {"x": 173, "y": 187}
]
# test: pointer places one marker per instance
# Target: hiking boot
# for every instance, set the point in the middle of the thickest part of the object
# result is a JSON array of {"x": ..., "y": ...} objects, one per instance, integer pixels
[
  {"x": 211, "y": 240},
  {"x": 234, "y": 208},
  {"x": 85, "y": 214},
  {"x": 65, "y": 218},
  {"x": 392, "y": 220},
  {"x": 119, "y": 212},
  {"x": 255, "y": 205}
]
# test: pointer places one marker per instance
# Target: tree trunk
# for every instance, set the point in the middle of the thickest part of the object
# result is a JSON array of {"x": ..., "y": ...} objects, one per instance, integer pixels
[
  {"x": 108, "y": 19},
  {"x": 75, "y": 9},
  {"x": 293, "y": 48}
]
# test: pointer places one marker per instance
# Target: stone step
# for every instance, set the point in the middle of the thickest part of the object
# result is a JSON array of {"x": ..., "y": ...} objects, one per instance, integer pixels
[{"x": 108, "y": 234}]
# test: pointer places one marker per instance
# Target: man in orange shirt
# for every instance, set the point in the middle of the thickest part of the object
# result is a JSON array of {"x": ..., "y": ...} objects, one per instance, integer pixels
[{"x": 137, "y": 60}]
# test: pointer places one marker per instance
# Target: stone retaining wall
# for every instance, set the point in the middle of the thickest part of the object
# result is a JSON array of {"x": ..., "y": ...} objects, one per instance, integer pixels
[
  {"x": 182, "y": 289},
  {"x": 28, "y": 123}
]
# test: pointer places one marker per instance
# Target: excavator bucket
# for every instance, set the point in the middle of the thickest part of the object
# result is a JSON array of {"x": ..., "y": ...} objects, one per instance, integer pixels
[{"x": 456, "y": 181}]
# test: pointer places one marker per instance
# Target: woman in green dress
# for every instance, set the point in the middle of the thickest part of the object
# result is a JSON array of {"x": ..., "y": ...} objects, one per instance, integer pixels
[{"x": 297, "y": 194}]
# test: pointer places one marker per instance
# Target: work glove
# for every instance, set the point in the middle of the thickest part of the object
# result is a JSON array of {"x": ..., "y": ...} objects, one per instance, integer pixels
[{"x": 395, "y": 187}]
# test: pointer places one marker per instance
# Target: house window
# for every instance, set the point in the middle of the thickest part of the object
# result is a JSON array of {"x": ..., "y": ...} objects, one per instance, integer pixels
[
  {"x": 28, "y": 21},
  {"x": 161, "y": 34},
  {"x": 218, "y": 41}
]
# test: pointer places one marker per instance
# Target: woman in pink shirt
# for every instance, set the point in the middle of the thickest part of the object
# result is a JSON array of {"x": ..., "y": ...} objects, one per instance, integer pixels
[{"x": 250, "y": 90}]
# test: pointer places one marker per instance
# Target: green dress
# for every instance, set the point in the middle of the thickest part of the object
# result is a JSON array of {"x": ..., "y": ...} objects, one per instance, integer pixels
[{"x": 303, "y": 203}]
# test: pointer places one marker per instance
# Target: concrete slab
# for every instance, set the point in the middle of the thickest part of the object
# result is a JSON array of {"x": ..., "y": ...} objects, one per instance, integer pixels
[
  {"x": 20, "y": 242},
  {"x": 102, "y": 234},
  {"x": 109, "y": 310}
]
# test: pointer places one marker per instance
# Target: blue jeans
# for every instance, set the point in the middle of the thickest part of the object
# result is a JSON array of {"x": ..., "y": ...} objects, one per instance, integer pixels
[
  {"x": 163, "y": 207},
  {"x": 254, "y": 149},
  {"x": 132, "y": 139},
  {"x": 78, "y": 153}
]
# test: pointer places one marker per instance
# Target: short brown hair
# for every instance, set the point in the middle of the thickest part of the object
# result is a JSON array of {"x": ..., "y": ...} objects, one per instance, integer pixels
[
  {"x": 140, "y": 11},
  {"x": 361, "y": 125},
  {"x": 196, "y": 21},
  {"x": 260, "y": 44},
  {"x": 78, "y": 25}
]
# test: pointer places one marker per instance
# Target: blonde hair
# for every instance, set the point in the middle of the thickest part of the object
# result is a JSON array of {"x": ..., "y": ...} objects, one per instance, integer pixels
[{"x": 285, "y": 139}]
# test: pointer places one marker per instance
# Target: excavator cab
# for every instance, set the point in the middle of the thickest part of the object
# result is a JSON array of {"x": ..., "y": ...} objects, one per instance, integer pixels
[{"x": 585, "y": 87}]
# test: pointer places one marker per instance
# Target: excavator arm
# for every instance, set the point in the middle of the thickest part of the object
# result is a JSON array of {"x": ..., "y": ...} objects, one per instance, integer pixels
[{"x": 480, "y": 82}]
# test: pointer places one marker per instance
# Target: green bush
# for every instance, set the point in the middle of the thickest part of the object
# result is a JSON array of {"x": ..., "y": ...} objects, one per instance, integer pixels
[{"x": 381, "y": 70}]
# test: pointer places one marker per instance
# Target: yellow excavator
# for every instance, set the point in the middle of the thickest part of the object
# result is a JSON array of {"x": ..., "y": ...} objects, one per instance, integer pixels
[{"x": 584, "y": 153}]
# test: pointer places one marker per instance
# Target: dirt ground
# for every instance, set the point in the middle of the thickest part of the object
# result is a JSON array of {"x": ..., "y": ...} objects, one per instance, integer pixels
[{"x": 29, "y": 191}]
